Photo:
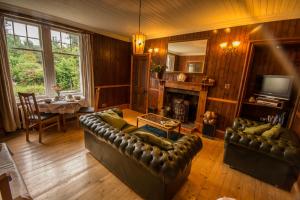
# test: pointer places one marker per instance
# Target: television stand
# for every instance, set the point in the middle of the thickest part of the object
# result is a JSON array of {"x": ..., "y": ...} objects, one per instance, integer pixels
[
  {"x": 275, "y": 103},
  {"x": 264, "y": 108}
]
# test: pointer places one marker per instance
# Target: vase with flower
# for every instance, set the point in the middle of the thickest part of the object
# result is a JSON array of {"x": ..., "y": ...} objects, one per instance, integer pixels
[{"x": 57, "y": 89}]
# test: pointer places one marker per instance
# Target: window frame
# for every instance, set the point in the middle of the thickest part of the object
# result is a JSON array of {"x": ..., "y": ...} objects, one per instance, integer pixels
[
  {"x": 41, "y": 50},
  {"x": 47, "y": 60},
  {"x": 69, "y": 54}
]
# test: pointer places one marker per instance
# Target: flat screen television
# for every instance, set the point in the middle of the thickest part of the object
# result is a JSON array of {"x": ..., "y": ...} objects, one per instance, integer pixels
[{"x": 274, "y": 86}]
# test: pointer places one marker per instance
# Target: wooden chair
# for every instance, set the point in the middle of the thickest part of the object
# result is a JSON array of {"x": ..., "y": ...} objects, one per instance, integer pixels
[{"x": 33, "y": 118}]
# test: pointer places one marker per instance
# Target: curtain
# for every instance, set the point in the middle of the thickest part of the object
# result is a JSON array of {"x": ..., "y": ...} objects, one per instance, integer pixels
[
  {"x": 8, "y": 107},
  {"x": 87, "y": 68}
]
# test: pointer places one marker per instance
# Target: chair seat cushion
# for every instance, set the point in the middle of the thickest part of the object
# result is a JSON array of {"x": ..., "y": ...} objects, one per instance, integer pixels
[
  {"x": 44, "y": 116},
  {"x": 86, "y": 110}
]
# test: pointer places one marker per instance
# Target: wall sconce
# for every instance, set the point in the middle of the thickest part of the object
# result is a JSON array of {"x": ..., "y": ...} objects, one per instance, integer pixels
[
  {"x": 155, "y": 50},
  {"x": 230, "y": 48}
]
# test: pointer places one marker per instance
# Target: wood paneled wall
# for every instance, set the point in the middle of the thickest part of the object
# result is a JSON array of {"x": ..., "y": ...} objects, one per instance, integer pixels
[
  {"x": 111, "y": 67},
  {"x": 225, "y": 68}
]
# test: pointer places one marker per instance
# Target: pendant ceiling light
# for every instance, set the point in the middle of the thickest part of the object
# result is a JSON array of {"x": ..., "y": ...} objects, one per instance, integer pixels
[{"x": 139, "y": 39}]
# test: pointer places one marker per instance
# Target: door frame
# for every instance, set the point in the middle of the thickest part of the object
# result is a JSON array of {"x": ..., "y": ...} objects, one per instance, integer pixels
[{"x": 148, "y": 55}]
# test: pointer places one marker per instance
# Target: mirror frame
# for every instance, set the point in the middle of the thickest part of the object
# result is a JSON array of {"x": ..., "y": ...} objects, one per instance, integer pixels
[{"x": 205, "y": 59}]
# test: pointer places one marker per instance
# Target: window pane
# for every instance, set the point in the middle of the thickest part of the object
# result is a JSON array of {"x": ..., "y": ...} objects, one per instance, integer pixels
[
  {"x": 55, "y": 36},
  {"x": 10, "y": 40},
  {"x": 65, "y": 42},
  {"x": 34, "y": 43},
  {"x": 74, "y": 40},
  {"x": 8, "y": 27},
  {"x": 67, "y": 72},
  {"x": 27, "y": 71},
  {"x": 20, "y": 29},
  {"x": 65, "y": 38},
  {"x": 20, "y": 42},
  {"x": 75, "y": 44},
  {"x": 33, "y": 31},
  {"x": 56, "y": 46}
]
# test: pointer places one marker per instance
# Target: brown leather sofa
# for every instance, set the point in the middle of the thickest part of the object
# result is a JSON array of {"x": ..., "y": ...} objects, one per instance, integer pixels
[
  {"x": 151, "y": 172},
  {"x": 275, "y": 161}
]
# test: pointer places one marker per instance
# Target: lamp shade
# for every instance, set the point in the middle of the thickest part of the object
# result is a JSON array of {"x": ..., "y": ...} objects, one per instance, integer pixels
[{"x": 138, "y": 43}]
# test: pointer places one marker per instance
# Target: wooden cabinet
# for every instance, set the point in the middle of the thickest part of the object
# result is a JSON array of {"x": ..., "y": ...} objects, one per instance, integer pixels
[
  {"x": 264, "y": 59},
  {"x": 140, "y": 72}
]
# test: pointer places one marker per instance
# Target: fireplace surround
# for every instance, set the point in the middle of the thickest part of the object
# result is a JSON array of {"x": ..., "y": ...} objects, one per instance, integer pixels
[{"x": 197, "y": 90}]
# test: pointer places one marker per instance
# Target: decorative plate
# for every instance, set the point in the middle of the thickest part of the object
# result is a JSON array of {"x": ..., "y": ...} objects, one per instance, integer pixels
[{"x": 181, "y": 77}]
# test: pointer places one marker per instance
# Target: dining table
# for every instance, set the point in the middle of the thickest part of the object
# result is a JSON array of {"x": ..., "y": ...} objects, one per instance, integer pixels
[{"x": 62, "y": 107}]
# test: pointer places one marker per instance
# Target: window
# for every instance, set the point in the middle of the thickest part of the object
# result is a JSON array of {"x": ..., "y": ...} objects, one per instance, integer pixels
[
  {"x": 25, "y": 56},
  {"x": 65, "y": 48}
]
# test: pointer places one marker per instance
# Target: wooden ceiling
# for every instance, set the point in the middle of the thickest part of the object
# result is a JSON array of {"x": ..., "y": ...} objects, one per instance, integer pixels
[{"x": 159, "y": 17}]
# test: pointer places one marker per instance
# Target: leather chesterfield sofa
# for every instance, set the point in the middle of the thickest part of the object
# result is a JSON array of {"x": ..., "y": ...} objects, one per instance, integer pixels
[
  {"x": 151, "y": 172},
  {"x": 275, "y": 161}
]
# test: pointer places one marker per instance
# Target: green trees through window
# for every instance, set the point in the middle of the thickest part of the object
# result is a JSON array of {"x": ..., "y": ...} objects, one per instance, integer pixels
[
  {"x": 65, "y": 48},
  {"x": 26, "y": 59}
]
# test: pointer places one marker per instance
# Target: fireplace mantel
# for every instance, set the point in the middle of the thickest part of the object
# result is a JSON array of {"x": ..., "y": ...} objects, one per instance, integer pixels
[
  {"x": 202, "y": 88},
  {"x": 192, "y": 86}
]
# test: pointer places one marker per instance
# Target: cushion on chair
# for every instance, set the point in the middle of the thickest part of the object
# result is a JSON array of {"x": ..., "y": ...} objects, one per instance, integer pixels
[
  {"x": 86, "y": 110},
  {"x": 162, "y": 143},
  {"x": 128, "y": 128},
  {"x": 113, "y": 119},
  {"x": 44, "y": 116},
  {"x": 257, "y": 130}
]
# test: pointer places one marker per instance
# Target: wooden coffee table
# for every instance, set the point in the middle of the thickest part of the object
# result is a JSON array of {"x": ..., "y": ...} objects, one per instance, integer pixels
[{"x": 158, "y": 121}]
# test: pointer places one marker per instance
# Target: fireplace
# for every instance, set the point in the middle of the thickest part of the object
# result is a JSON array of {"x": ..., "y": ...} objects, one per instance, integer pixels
[
  {"x": 183, "y": 104},
  {"x": 192, "y": 99}
]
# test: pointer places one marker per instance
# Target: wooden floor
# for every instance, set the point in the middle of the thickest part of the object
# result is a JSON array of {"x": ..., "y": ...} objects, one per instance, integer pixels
[{"x": 61, "y": 168}]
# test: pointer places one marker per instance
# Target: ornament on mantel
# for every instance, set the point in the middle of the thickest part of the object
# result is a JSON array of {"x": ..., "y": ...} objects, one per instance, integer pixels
[{"x": 181, "y": 77}]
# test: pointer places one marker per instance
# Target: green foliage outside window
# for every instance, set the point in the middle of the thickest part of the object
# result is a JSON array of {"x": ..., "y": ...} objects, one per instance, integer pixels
[{"x": 27, "y": 66}]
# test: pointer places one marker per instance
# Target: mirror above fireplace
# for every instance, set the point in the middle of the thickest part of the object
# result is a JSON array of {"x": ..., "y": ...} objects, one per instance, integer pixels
[{"x": 186, "y": 57}]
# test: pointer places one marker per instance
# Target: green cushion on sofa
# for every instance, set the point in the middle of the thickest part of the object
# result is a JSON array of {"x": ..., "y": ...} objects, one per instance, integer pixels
[
  {"x": 129, "y": 128},
  {"x": 162, "y": 143},
  {"x": 118, "y": 111},
  {"x": 273, "y": 133},
  {"x": 113, "y": 119},
  {"x": 257, "y": 130}
]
